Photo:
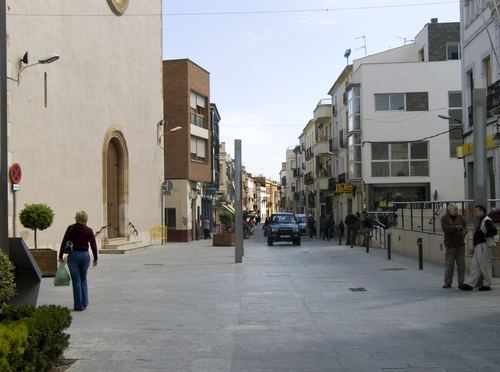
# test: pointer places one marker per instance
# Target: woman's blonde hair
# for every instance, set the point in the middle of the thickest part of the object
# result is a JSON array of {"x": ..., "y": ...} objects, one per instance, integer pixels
[{"x": 81, "y": 217}]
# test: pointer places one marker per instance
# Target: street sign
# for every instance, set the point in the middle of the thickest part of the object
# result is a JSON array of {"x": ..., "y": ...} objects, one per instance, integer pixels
[
  {"x": 166, "y": 187},
  {"x": 16, "y": 187},
  {"x": 343, "y": 188},
  {"x": 15, "y": 173}
]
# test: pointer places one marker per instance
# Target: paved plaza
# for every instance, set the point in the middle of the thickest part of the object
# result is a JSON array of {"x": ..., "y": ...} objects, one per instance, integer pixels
[{"x": 187, "y": 307}]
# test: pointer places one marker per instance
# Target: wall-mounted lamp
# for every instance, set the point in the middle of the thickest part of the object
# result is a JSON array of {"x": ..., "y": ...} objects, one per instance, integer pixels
[{"x": 24, "y": 63}]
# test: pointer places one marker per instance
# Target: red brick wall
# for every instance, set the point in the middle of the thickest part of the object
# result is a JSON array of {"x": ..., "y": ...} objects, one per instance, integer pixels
[{"x": 180, "y": 77}]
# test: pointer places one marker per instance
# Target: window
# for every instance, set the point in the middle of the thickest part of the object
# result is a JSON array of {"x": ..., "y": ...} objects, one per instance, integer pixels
[
  {"x": 400, "y": 159},
  {"x": 170, "y": 218},
  {"x": 198, "y": 148},
  {"x": 390, "y": 102},
  {"x": 455, "y": 123},
  {"x": 354, "y": 155},
  {"x": 453, "y": 51},
  {"x": 197, "y": 105},
  {"x": 354, "y": 109}
]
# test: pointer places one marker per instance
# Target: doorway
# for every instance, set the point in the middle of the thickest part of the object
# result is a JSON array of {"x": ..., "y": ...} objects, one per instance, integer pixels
[
  {"x": 115, "y": 174},
  {"x": 113, "y": 190}
]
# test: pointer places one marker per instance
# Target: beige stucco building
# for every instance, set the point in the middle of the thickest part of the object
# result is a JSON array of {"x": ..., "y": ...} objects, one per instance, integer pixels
[{"x": 85, "y": 129}]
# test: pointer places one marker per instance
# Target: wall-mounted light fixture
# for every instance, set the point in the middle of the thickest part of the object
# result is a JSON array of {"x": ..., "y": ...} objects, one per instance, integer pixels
[{"x": 24, "y": 63}]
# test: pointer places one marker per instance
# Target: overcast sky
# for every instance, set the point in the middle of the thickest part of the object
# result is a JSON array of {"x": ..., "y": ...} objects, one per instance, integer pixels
[{"x": 269, "y": 71}]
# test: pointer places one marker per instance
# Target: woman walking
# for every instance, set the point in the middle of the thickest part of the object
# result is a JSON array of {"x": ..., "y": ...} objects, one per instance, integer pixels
[{"x": 80, "y": 236}]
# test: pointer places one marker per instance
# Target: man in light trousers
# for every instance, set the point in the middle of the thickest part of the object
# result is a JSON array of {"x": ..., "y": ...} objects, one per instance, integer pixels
[{"x": 483, "y": 243}]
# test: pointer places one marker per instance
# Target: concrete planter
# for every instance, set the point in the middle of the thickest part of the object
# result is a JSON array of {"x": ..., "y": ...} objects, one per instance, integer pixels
[
  {"x": 224, "y": 240},
  {"x": 46, "y": 260}
]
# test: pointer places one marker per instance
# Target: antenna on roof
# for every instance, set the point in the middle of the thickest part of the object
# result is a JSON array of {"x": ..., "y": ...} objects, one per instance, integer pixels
[
  {"x": 405, "y": 40},
  {"x": 364, "y": 45},
  {"x": 347, "y": 54}
]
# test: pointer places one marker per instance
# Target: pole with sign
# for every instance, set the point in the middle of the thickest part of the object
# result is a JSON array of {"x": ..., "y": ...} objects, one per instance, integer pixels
[
  {"x": 166, "y": 189},
  {"x": 15, "y": 175},
  {"x": 239, "y": 249}
]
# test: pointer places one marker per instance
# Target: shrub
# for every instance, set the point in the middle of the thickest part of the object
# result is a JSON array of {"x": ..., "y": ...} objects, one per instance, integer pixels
[
  {"x": 46, "y": 338},
  {"x": 36, "y": 217},
  {"x": 7, "y": 282},
  {"x": 226, "y": 218},
  {"x": 13, "y": 343}
]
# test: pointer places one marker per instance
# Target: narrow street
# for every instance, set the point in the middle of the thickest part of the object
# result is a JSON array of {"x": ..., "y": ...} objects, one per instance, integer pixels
[{"x": 187, "y": 307}]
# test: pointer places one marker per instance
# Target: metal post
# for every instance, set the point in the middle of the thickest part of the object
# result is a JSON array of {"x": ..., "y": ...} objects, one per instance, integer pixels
[
  {"x": 389, "y": 247},
  {"x": 480, "y": 151},
  {"x": 367, "y": 238},
  {"x": 422, "y": 216},
  {"x": 318, "y": 210},
  {"x": 14, "y": 213},
  {"x": 420, "y": 254},
  {"x": 239, "y": 249},
  {"x": 4, "y": 195}
]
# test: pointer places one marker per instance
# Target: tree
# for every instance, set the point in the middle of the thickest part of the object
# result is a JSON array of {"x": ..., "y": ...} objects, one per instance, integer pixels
[
  {"x": 226, "y": 219},
  {"x": 36, "y": 217}
]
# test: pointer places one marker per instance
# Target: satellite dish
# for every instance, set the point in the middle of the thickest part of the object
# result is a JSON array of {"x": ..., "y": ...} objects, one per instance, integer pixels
[{"x": 347, "y": 53}]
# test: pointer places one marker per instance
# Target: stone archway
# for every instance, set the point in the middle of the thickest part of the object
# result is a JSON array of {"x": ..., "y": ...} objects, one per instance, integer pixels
[{"x": 115, "y": 184}]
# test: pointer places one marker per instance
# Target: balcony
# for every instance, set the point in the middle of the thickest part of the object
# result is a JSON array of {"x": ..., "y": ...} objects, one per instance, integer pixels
[
  {"x": 493, "y": 99},
  {"x": 322, "y": 148},
  {"x": 309, "y": 154},
  {"x": 297, "y": 173},
  {"x": 309, "y": 178},
  {"x": 323, "y": 111}
]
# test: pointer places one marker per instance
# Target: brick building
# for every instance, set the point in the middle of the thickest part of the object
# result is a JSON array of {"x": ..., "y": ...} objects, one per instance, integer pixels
[{"x": 187, "y": 150}]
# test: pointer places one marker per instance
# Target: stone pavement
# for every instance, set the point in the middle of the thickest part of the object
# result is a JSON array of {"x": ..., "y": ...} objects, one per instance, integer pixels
[{"x": 187, "y": 307}]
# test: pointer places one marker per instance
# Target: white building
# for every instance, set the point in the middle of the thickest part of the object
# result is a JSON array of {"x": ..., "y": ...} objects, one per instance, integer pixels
[
  {"x": 85, "y": 128},
  {"x": 398, "y": 149},
  {"x": 480, "y": 21}
]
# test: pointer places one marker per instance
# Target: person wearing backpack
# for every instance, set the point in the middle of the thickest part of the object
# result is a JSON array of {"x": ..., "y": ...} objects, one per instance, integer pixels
[{"x": 483, "y": 244}]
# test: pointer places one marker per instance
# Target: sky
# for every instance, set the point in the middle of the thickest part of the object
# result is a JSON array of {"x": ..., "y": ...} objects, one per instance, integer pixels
[{"x": 268, "y": 71}]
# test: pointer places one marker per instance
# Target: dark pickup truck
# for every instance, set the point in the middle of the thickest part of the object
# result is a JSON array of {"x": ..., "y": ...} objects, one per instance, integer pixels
[{"x": 283, "y": 227}]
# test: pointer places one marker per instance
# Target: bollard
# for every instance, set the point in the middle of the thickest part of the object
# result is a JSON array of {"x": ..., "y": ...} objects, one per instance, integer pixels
[
  {"x": 389, "y": 248},
  {"x": 420, "y": 254},
  {"x": 367, "y": 238}
]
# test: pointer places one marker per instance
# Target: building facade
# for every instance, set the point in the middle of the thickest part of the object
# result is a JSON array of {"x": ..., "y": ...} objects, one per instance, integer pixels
[
  {"x": 480, "y": 21},
  {"x": 80, "y": 147},
  {"x": 187, "y": 150}
]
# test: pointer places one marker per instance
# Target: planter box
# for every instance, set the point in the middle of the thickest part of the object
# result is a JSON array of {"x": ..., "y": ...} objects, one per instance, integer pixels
[
  {"x": 46, "y": 260},
  {"x": 224, "y": 240}
]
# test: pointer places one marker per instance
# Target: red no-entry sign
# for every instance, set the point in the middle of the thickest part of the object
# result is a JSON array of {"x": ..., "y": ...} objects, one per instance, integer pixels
[{"x": 15, "y": 173}]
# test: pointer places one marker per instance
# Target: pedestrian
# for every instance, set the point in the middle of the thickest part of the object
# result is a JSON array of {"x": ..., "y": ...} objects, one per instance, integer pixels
[
  {"x": 311, "y": 225},
  {"x": 322, "y": 227},
  {"x": 367, "y": 227},
  {"x": 206, "y": 228},
  {"x": 341, "y": 229},
  {"x": 357, "y": 233},
  {"x": 483, "y": 243},
  {"x": 81, "y": 237},
  {"x": 350, "y": 222},
  {"x": 331, "y": 227},
  {"x": 454, "y": 228}
]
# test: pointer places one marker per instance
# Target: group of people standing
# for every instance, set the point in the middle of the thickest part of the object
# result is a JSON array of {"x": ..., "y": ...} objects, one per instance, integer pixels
[
  {"x": 454, "y": 227},
  {"x": 356, "y": 224}
]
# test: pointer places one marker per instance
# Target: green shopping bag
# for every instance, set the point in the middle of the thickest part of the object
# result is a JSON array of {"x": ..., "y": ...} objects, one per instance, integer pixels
[{"x": 62, "y": 276}]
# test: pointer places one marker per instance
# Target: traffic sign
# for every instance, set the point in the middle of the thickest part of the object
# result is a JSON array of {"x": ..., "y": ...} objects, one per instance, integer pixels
[
  {"x": 166, "y": 187},
  {"x": 15, "y": 173}
]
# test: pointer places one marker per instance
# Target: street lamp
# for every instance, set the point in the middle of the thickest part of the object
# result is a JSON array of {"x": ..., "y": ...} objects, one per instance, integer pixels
[{"x": 24, "y": 63}]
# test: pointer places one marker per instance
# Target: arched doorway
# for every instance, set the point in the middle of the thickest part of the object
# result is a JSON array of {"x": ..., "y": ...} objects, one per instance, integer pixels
[
  {"x": 113, "y": 190},
  {"x": 115, "y": 174}
]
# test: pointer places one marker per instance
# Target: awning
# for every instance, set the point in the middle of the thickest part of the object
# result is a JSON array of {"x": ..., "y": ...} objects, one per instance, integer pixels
[{"x": 229, "y": 208}]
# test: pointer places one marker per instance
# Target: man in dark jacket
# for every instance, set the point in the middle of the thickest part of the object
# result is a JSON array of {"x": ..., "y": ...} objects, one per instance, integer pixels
[
  {"x": 483, "y": 243},
  {"x": 351, "y": 222},
  {"x": 367, "y": 225},
  {"x": 454, "y": 228}
]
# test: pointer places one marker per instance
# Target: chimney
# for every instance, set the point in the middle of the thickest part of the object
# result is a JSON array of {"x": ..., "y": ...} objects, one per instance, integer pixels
[{"x": 434, "y": 21}]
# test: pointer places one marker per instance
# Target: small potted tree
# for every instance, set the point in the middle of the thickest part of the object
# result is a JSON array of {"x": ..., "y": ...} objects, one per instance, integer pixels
[
  {"x": 225, "y": 238},
  {"x": 40, "y": 217}
]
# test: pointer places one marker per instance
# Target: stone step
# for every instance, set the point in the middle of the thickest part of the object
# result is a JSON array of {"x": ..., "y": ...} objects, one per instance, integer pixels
[{"x": 122, "y": 246}]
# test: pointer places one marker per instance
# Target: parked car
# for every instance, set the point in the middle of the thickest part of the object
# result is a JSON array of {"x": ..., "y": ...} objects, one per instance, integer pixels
[
  {"x": 302, "y": 221},
  {"x": 283, "y": 227}
]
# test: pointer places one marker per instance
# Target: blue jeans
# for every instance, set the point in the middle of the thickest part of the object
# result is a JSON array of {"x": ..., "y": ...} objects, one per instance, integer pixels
[{"x": 78, "y": 263}]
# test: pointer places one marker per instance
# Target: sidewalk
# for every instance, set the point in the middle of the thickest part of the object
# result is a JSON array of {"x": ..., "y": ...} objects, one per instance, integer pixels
[{"x": 187, "y": 307}]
